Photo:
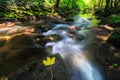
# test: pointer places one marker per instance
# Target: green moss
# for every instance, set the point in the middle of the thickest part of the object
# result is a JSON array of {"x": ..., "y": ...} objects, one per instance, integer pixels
[
  {"x": 112, "y": 20},
  {"x": 116, "y": 34}
]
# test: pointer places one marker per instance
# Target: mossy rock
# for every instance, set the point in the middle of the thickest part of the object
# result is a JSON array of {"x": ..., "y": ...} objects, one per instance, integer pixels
[
  {"x": 113, "y": 20},
  {"x": 114, "y": 39}
]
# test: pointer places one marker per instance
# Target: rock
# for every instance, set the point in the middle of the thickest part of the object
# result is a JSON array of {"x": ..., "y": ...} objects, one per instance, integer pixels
[
  {"x": 2, "y": 42},
  {"x": 26, "y": 52},
  {"x": 107, "y": 55},
  {"x": 102, "y": 33},
  {"x": 18, "y": 50},
  {"x": 42, "y": 40},
  {"x": 37, "y": 71},
  {"x": 21, "y": 30},
  {"x": 19, "y": 41},
  {"x": 114, "y": 39},
  {"x": 112, "y": 20},
  {"x": 43, "y": 27},
  {"x": 7, "y": 24}
]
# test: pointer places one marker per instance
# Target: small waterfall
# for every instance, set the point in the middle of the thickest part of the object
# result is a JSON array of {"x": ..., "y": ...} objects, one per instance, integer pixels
[
  {"x": 82, "y": 22},
  {"x": 78, "y": 65}
]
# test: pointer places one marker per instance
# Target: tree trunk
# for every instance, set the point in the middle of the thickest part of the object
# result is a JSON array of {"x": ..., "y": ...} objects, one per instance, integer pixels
[
  {"x": 116, "y": 3},
  {"x": 68, "y": 3},
  {"x": 111, "y": 4},
  {"x": 57, "y": 4},
  {"x": 106, "y": 10}
]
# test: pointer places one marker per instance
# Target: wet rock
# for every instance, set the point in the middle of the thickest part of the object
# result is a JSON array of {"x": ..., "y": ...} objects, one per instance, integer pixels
[
  {"x": 102, "y": 33},
  {"x": 114, "y": 39},
  {"x": 18, "y": 50},
  {"x": 17, "y": 30},
  {"x": 43, "y": 27},
  {"x": 37, "y": 71},
  {"x": 75, "y": 35},
  {"x": 108, "y": 55},
  {"x": 19, "y": 41},
  {"x": 7, "y": 24},
  {"x": 112, "y": 20},
  {"x": 2, "y": 42},
  {"x": 26, "y": 52},
  {"x": 42, "y": 40}
]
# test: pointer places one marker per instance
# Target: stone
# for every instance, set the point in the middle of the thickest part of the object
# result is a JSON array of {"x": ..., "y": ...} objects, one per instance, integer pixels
[{"x": 37, "y": 71}]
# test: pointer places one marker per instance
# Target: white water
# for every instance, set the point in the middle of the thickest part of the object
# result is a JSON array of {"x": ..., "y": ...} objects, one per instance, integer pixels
[{"x": 78, "y": 65}]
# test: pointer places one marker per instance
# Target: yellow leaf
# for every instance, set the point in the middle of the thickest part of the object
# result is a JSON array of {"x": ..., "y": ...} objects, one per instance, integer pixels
[
  {"x": 45, "y": 62},
  {"x": 49, "y": 61},
  {"x": 53, "y": 60}
]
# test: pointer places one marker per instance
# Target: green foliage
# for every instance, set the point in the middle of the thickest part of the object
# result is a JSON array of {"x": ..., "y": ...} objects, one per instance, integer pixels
[
  {"x": 18, "y": 8},
  {"x": 115, "y": 65},
  {"x": 113, "y": 20},
  {"x": 115, "y": 34}
]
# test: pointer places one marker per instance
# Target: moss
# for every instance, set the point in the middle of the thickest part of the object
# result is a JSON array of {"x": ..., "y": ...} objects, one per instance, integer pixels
[
  {"x": 116, "y": 34},
  {"x": 113, "y": 20}
]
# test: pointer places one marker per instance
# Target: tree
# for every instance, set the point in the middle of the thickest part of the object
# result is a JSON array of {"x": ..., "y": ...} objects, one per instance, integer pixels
[{"x": 57, "y": 4}]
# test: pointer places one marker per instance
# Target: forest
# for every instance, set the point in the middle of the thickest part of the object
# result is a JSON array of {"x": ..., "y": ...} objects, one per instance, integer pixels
[
  {"x": 59, "y": 39},
  {"x": 65, "y": 8}
]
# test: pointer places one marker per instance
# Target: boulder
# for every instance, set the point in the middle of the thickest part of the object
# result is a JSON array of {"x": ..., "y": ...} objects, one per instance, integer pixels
[
  {"x": 108, "y": 56},
  {"x": 37, "y": 71},
  {"x": 18, "y": 50}
]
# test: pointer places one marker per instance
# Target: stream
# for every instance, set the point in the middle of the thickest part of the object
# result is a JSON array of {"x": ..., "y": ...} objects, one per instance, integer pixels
[
  {"x": 75, "y": 52},
  {"x": 75, "y": 44}
]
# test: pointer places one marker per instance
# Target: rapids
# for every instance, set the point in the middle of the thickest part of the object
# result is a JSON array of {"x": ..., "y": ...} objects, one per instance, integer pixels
[{"x": 72, "y": 50}]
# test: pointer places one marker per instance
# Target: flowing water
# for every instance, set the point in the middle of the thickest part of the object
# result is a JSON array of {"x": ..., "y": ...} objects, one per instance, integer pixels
[{"x": 78, "y": 63}]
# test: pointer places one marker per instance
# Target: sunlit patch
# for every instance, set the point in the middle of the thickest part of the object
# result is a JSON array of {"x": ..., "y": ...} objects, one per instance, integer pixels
[
  {"x": 37, "y": 39},
  {"x": 104, "y": 38},
  {"x": 87, "y": 1},
  {"x": 51, "y": 38},
  {"x": 72, "y": 27},
  {"x": 7, "y": 24},
  {"x": 5, "y": 37},
  {"x": 4, "y": 78},
  {"x": 110, "y": 67},
  {"x": 108, "y": 27}
]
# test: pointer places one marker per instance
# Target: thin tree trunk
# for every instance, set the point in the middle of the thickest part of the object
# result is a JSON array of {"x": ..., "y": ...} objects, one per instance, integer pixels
[
  {"x": 106, "y": 10},
  {"x": 99, "y": 4},
  {"x": 116, "y": 3},
  {"x": 68, "y": 3},
  {"x": 102, "y": 3},
  {"x": 57, "y": 4},
  {"x": 111, "y": 4}
]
